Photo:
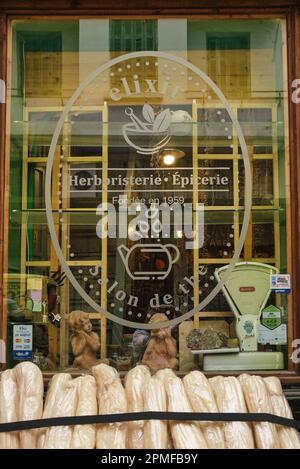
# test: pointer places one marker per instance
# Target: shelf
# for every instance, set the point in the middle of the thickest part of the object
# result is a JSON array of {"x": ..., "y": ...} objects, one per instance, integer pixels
[
  {"x": 232, "y": 156},
  {"x": 215, "y": 208},
  {"x": 216, "y": 351},
  {"x": 215, "y": 314}
]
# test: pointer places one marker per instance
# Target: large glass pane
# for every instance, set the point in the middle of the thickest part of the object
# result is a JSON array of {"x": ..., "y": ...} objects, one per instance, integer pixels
[{"x": 146, "y": 199}]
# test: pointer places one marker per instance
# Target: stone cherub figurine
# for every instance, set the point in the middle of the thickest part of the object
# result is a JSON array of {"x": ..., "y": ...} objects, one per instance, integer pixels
[
  {"x": 161, "y": 351},
  {"x": 85, "y": 343}
]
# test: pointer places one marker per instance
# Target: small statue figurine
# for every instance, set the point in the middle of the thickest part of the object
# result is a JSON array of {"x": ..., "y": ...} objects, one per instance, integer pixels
[
  {"x": 161, "y": 351},
  {"x": 84, "y": 341}
]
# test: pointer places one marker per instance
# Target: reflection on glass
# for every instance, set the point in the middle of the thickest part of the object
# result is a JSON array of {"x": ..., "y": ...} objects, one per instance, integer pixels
[{"x": 109, "y": 150}]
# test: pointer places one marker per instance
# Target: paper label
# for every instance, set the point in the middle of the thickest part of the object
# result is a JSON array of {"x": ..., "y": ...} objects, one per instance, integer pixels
[
  {"x": 271, "y": 317},
  {"x": 280, "y": 283},
  {"x": 276, "y": 336}
]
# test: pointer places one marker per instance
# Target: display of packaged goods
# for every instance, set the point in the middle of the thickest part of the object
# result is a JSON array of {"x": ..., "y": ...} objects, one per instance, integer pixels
[{"x": 206, "y": 340}]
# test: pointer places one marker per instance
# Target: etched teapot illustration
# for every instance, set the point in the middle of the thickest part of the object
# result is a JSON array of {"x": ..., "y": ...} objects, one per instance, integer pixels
[
  {"x": 179, "y": 116},
  {"x": 181, "y": 123},
  {"x": 148, "y": 252}
]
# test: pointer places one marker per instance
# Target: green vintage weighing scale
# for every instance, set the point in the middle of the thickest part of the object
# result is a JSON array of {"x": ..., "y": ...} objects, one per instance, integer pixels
[{"x": 247, "y": 291}]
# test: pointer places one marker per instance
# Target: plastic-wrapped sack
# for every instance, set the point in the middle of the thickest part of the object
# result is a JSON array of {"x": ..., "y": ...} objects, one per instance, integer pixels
[
  {"x": 185, "y": 435},
  {"x": 136, "y": 381},
  {"x": 64, "y": 405},
  {"x": 258, "y": 400},
  {"x": 156, "y": 435},
  {"x": 202, "y": 399},
  {"x": 30, "y": 385},
  {"x": 162, "y": 376},
  {"x": 111, "y": 399},
  {"x": 9, "y": 403},
  {"x": 288, "y": 437},
  {"x": 57, "y": 383},
  {"x": 84, "y": 436},
  {"x": 229, "y": 397}
]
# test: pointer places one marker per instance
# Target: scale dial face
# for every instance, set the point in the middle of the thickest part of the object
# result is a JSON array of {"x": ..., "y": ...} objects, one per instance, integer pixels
[{"x": 248, "y": 328}]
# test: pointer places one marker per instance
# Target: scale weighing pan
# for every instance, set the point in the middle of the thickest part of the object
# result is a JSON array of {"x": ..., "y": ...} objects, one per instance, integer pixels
[
  {"x": 248, "y": 288},
  {"x": 244, "y": 361}
]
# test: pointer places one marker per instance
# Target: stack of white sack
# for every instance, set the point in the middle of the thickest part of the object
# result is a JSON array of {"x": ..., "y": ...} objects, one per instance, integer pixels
[
  {"x": 136, "y": 381},
  {"x": 229, "y": 396},
  {"x": 21, "y": 398},
  {"x": 202, "y": 399},
  {"x": 288, "y": 437},
  {"x": 258, "y": 400},
  {"x": 111, "y": 398}
]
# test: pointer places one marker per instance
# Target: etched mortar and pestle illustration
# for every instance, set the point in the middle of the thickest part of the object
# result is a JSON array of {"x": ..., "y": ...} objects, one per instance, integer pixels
[{"x": 158, "y": 127}]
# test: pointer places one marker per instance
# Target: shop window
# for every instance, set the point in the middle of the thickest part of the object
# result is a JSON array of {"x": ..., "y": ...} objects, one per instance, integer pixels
[{"x": 166, "y": 139}]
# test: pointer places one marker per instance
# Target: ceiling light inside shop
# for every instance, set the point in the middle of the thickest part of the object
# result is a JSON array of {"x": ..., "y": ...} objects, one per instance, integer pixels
[
  {"x": 168, "y": 159},
  {"x": 170, "y": 155}
]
